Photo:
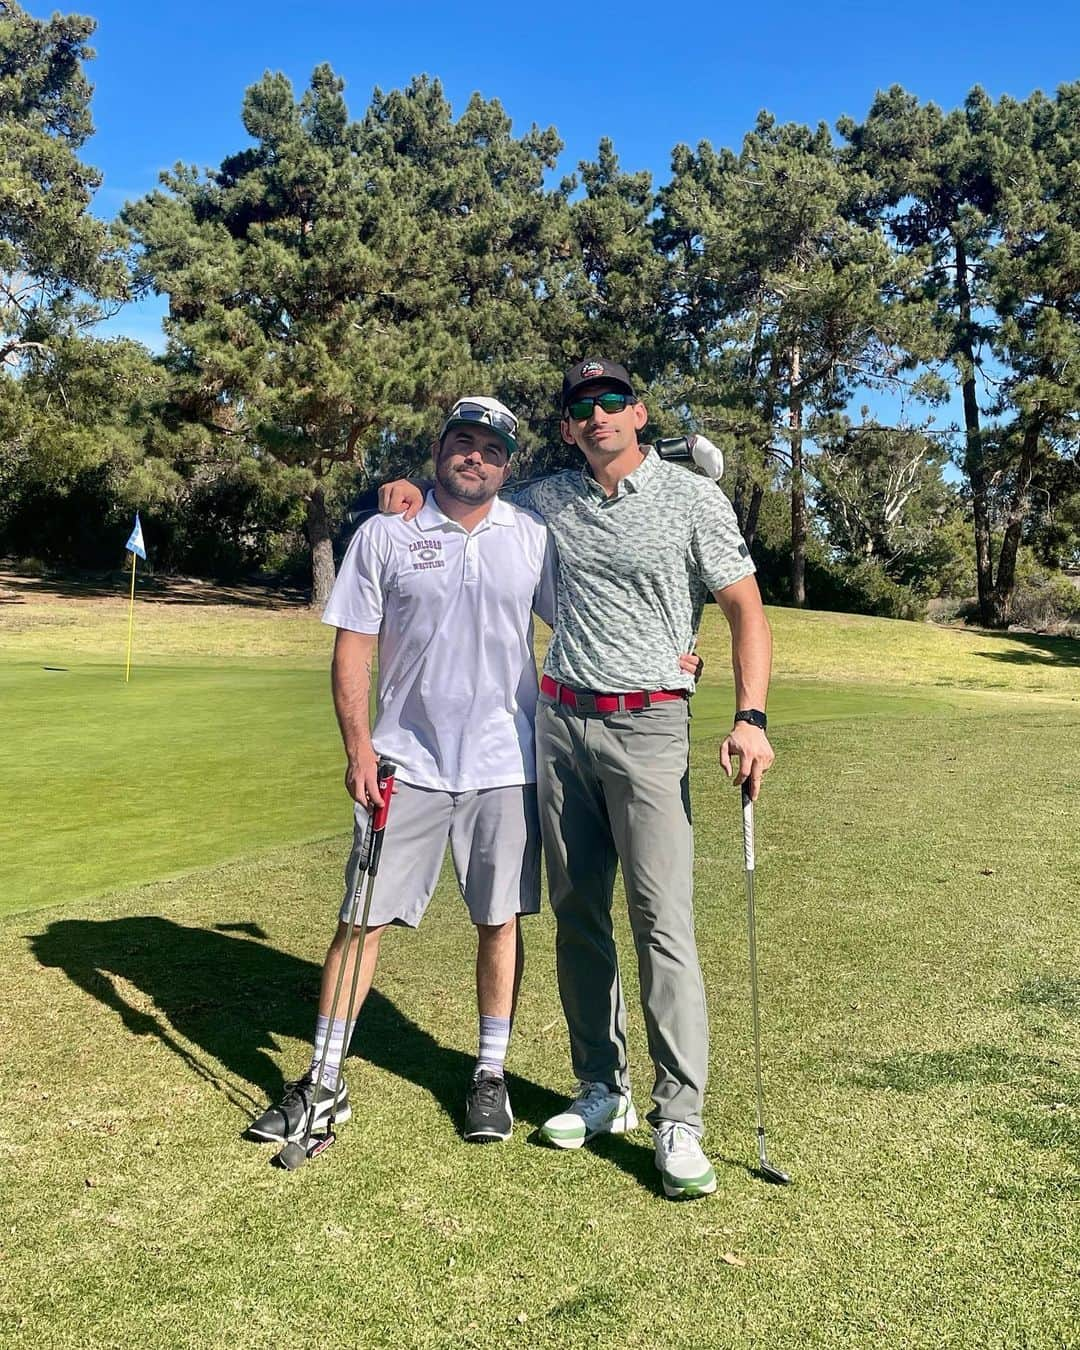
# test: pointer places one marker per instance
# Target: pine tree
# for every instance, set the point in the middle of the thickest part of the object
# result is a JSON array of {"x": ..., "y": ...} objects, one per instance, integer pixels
[
  {"x": 333, "y": 288},
  {"x": 58, "y": 263}
]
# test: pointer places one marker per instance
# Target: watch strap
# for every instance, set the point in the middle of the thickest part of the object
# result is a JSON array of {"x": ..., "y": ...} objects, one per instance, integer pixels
[{"x": 754, "y": 716}]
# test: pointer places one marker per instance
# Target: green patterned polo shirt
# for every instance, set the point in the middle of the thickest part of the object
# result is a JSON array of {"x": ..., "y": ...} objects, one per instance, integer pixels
[{"x": 634, "y": 571}]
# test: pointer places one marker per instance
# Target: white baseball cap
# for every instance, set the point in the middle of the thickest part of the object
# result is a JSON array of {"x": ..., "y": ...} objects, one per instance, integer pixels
[{"x": 485, "y": 412}]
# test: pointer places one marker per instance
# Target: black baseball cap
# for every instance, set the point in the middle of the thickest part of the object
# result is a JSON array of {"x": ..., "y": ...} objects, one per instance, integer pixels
[{"x": 591, "y": 370}]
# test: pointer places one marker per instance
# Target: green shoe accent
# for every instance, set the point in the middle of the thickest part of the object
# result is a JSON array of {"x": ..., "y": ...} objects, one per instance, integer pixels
[
  {"x": 689, "y": 1183},
  {"x": 550, "y": 1132}
]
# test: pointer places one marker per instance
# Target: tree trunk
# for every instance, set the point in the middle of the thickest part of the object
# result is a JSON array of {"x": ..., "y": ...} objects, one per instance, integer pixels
[
  {"x": 757, "y": 493},
  {"x": 1014, "y": 524},
  {"x": 738, "y": 500},
  {"x": 322, "y": 550},
  {"x": 974, "y": 466},
  {"x": 798, "y": 488}
]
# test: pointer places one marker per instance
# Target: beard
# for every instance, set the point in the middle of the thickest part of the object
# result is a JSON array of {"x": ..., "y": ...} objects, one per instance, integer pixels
[{"x": 471, "y": 491}]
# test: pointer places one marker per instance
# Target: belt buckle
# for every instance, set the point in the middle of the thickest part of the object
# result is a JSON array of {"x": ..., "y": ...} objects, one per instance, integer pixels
[{"x": 584, "y": 701}]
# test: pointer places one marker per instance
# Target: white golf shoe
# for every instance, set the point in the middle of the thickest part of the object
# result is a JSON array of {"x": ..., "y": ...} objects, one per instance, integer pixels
[
  {"x": 685, "y": 1170},
  {"x": 598, "y": 1108}
]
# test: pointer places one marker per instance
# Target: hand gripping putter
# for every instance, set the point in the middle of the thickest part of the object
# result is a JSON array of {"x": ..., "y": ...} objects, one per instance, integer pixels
[
  {"x": 765, "y": 1170},
  {"x": 296, "y": 1153}
]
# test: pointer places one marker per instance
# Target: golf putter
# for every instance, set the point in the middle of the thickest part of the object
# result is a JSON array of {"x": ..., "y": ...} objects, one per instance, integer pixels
[
  {"x": 765, "y": 1170},
  {"x": 298, "y": 1151}
]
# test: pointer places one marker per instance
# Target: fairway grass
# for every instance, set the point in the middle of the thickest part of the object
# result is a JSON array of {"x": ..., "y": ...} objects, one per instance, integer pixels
[{"x": 919, "y": 946}]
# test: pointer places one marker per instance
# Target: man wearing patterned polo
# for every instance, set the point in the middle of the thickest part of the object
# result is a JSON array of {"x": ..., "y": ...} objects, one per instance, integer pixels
[{"x": 640, "y": 543}]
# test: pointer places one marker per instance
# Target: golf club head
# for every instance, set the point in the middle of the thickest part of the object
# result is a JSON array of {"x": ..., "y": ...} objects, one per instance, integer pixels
[
  {"x": 294, "y": 1155},
  {"x": 291, "y": 1157},
  {"x": 767, "y": 1172}
]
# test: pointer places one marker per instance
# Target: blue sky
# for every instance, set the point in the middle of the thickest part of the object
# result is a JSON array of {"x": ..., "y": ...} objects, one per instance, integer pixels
[{"x": 169, "y": 78}]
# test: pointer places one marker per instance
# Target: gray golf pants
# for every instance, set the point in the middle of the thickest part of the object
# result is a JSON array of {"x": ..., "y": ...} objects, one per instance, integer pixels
[{"x": 614, "y": 788}]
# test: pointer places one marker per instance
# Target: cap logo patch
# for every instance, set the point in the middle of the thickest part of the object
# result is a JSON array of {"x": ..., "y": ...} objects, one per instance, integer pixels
[{"x": 591, "y": 368}]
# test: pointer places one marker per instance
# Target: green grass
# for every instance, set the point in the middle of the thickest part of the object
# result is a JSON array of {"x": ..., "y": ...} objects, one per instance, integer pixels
[{"x": 920, "y": 967}]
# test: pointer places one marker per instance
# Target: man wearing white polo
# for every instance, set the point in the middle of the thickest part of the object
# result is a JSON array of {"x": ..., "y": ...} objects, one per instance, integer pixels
[{"x": 446, "y": 599}]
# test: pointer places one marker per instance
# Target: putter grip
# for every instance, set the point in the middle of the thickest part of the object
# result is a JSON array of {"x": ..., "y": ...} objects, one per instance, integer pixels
[
  {"x": 387, "y": 770},
  {"x": 747, "y": 828},
  {"x": 386, "y": 773}
]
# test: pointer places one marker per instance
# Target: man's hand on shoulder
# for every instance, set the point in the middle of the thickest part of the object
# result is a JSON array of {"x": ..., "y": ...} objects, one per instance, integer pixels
[
  {"x": 401, "y": 497},
  {"x": 751, "y": 747}
]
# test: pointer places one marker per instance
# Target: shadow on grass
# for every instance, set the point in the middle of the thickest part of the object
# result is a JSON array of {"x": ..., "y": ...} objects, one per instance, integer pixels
[
  {"x": 232, "y": 996},
  {"x": 1049, "y": 1118},
  {"x": 1042, "y": 651},
  {"x": 1061, "y": 993},
  {"x": 920, "y": 1071},
  {"x": 16, "y": 589}
]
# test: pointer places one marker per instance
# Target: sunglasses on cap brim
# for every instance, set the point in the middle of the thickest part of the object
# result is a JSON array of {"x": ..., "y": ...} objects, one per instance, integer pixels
[{"x": 487, "y": 417}]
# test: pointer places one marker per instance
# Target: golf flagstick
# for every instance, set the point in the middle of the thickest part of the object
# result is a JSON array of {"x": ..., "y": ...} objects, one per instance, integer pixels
[
  {"x": 131, "y": 617},
  {"x": 766, "y": 1170},
  {"x": 136, "y": 546},
  {"x": 296, "y": 1152}
]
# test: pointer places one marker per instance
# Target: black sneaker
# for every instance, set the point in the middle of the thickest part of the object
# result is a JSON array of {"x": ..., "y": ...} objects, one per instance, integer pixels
[
  {"x": 288, "y": 1119},
  {"x": 487, "y": 1109}
]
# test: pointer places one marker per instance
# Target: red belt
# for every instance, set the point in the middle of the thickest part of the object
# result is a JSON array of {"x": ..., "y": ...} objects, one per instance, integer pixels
[{"x": 587, "y": 701}]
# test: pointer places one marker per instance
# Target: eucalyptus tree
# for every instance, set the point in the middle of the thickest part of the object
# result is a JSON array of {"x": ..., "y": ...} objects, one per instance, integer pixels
[
  {"x": 880, "y": 492},
  {"x": 73, "y": 438}
]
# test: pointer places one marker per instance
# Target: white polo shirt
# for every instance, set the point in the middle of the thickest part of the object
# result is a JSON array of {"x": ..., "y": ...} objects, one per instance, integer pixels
[{"x": 453, "y": 610}]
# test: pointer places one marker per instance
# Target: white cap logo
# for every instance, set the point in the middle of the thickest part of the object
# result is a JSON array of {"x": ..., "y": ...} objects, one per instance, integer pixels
[{"x": 591, "y": 368}]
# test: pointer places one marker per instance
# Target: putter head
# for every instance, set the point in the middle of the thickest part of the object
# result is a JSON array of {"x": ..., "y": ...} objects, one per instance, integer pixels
[
  {"x": 294, "y": 1155},
  {"x": 767, "y": 1172}
]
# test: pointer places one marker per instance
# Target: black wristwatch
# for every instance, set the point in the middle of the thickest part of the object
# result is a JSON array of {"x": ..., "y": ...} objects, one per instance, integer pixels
[{"x": 754, "y": 716}]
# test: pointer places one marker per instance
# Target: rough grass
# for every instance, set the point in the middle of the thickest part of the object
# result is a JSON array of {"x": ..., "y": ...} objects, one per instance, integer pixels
[{"x": 919, "y": 948}]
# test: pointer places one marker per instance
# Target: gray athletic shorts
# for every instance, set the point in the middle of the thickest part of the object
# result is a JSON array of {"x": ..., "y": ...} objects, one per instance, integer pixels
[{"x": 494, "y": 837}]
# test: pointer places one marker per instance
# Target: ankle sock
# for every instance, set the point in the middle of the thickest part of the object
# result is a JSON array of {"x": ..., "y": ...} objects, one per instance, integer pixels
[
  {"x": 494, "y": 1039},
  {"x": 340, "y": 1036}
]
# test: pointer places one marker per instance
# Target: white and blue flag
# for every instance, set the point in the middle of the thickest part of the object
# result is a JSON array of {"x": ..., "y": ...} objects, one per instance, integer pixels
[{"x": 135, "y": 543}]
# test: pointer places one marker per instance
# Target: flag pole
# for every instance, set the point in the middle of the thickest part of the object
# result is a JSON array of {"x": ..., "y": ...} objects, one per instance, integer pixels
[{"x": 131, "y": 616}]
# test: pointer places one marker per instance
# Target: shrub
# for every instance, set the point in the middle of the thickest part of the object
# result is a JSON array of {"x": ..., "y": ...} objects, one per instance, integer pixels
[
  {"x": 861, "y": 588},
  {"x": 1046, "y": 601}
]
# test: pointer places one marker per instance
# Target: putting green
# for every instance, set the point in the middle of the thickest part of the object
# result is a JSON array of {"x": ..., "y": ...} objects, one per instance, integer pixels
[{"x": 110, "y": 784}]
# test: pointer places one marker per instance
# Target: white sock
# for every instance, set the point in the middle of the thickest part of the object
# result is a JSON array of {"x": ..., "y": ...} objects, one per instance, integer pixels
[
  {"x": 340, "y": 1036},
  {"x": 494, "y": 1040}
]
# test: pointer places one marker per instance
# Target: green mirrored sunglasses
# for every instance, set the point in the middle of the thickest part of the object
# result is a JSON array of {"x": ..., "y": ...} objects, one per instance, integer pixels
[{"x": 582, "y": 408}]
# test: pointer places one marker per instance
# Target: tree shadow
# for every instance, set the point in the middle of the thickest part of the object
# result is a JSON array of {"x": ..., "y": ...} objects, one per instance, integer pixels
[
  {"x": 1042, "y": 650},
  {"x": 1042, "y": 1092},
  {"x": 166, "y": 590},
  {"x": 1059, "y": 993},
  {"x": 233, "y": 997}
]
